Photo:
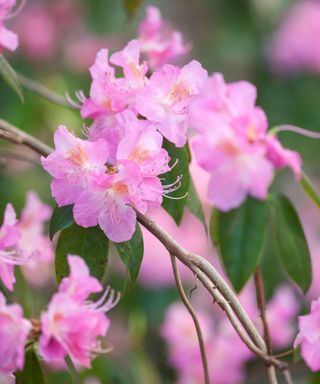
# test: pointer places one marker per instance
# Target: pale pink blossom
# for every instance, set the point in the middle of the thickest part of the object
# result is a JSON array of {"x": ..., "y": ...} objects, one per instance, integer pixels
[
  {"x": 71, "y": 328},
  {"x": 79, "y": 284},
  {"x": 296, "y": 44},
  {"x": 107, "y": 201},
  {"x": 165, "y": 100},
  {"x": 38, "y": 32},
  {"x": 309, "y": 336},
  {"x": 281, "y": 311},
  {"x": 281, "y": 157},
  {"x": 8, "y": 39},
  {"x": 34, "y": 245},
  {"x": 72, "y": 161},
  {"x": 14, "y": 330},
  {"x": 9, "y": 237},
  {"x": 225, "y": 350},
  {"x": 159, "y": 42},
  {"x": 233, "y": 144},
  {"x": 72, "y": 324}
]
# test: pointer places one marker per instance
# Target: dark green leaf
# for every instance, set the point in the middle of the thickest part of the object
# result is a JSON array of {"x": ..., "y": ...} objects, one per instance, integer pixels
[
  {"x": 89, "y": 243},
  {"x": 194, "y": 204},
  {"x": 173, "y": 206},
  {"x": 242, "y": 234},
  {"x": 32, "y": 372},
  {"x": 62, "y": 218},
  {"x": 309, "y": 189},
  {"x": 131, "y": 253},
  {"x": 10, "y": 77},
  {"x": 214, "y": 226},
  {"x": 291, "y": 242},
  {"x": 131, "y": 6}
]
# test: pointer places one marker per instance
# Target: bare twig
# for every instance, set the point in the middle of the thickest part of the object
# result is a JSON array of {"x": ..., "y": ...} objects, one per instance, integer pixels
[
  {"x": 194, "y": 318},
  {"x": 15, "y": 135},
  {"x": 44, "y": 92},
  {"x": 272, "y": 379},
  {"x": 7, "y": 154}
]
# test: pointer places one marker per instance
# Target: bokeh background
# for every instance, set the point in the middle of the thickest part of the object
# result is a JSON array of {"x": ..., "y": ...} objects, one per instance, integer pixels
[{"x": 241, "y": 39}]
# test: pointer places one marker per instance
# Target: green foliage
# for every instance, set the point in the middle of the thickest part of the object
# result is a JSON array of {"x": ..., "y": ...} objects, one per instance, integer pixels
[
  {"x": 241, "y": 235},
  {"x": 32, "y": 372},
  {"x": 291, "y": 243},
  {"x": 131, "y": 6},
  {"x": 194, "y": 204},
  {"x": 175, "y": 207},
  {"x": 89, "y": 243},
  {"x": 309, "y": 189},
  {"x": 62, "y": 218},
  {"x": 10, "y": 77},
  {"x": 131, "y": 253}
]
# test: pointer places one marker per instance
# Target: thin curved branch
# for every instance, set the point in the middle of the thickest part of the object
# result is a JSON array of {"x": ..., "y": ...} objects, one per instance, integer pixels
[
  {"x": 16, "y": 136},
  {"x": 44, "y": 92},
  {"x": 272, "y": 379},
  {"x": 195, "y": 319}
]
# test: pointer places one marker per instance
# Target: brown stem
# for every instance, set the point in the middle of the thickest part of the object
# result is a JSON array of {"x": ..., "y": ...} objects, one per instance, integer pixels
[
  {"x": 194, "y": 318},
  {"x": 15, "y": 135},
  {"x": 262, "y": 308}
]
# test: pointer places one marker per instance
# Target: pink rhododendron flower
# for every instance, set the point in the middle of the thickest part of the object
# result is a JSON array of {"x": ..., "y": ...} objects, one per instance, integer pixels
[
  {"x": 14, "y": 330},
  {"x": 33, "y": 244},
  {"x": 38, "y": 32},
  {"x": 79, "y": 284},
  {"x": 282, "y": 309},
  {"x": 309, "y": 336},
  {"x": 72, "y": 323},
  {"x": 165, "y": 100},
  {"x": 158, "y": 41},
  {"x": 9, "y": 237},
  {"x": 107, "y": 202},
  {"x": 296, "y": 44},
  {"x": 71, "y": 163},
  {"x": 233, "y": 144},
  {"x": 225, "y": 350},
  {"x": 8, "y": 39}
]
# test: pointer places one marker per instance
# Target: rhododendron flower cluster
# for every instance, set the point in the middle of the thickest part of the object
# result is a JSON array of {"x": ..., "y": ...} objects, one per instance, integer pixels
[
  {"x": 72, "y": 323},
  {"x": 23, "y": 242},
  {"x": 14, "y": 330},
  {"x": 309, "y": 336},
  {"x": 233, "y": 144},
  {"x": 296, "y": 44},
  {"x": 8, "y": 39},
  {"x": 158, "y": 41}
]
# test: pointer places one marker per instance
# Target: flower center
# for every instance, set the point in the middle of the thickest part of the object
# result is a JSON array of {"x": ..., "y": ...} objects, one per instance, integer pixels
[{"x": 77, "y": 156}]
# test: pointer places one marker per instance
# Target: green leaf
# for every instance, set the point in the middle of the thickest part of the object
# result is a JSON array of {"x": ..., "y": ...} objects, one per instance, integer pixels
[
  {"x": 131, "y": 6},
  {"x": 309, "y": 189},
  {"x": 194, "y": 204},
  {"x": 214, "y": 226},
  {"x": 89, "y": 243},
  {"x": 32, "y": 371},
  {"x": 10, "y": 77},
  {"x": 242, "y": 234},
  {"x": 62, "y": 218},
  {"x": 291, "y": 242},
  {"x": 175, "y": 207},
  {"x": 131, "y": 253}
]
